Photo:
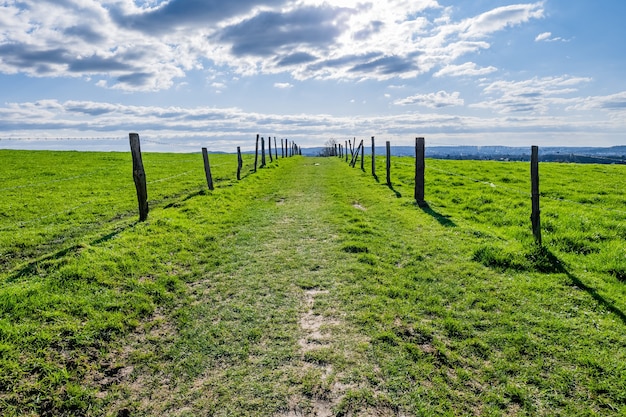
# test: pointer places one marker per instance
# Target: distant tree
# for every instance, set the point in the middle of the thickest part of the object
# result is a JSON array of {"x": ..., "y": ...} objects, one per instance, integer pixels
[{"x": 329, "y": 148}]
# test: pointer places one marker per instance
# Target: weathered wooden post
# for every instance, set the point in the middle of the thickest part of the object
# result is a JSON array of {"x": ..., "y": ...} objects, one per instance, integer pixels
[
  {"x": 275, "y": 149},
  {"x": 139, "y": 176},
  {"x": 355, "y": 156},
  {"x": 346, "y": 151},
  {"x": 282, "y": 149},
  {"x": 373, "y": 157},
  {"x": 207, "y": 169},
  {"x": 419, "y": 171},
  {"x": 269, "y": 148},
  {"x": 239, "y": 163},
  {"x": 256, "y": 153},
  {"x": 262, "y": 152},
  {"x": 362, "y": 156},
  {"x": 535, "y": 216},
  {"x": 388, "y": 146}
]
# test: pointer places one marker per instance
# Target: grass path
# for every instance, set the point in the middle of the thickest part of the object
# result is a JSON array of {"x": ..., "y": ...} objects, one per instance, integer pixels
[{"x": 261, "y": 334}]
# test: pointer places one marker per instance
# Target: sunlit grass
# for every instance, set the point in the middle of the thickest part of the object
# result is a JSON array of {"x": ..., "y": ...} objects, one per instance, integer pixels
[{"x": 449, "y": 309}]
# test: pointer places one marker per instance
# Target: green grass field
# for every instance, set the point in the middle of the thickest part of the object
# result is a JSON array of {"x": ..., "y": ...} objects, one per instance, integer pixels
[{"x": 309, "y": 288}]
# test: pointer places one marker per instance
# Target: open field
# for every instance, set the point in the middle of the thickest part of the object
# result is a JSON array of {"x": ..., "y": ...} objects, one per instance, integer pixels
[{"x": 309, "y": 288}]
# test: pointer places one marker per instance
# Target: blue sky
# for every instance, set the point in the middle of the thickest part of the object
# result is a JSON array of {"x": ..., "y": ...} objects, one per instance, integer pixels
[{"x": 82, "y": 74}]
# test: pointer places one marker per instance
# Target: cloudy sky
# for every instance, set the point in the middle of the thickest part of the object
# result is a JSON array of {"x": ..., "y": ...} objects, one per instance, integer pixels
[{"x": 82, "y": 74}]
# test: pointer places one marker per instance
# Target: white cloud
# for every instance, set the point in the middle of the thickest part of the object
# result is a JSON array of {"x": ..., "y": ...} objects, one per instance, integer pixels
[
  {"x": 501, "y": 18},
  {"x": 543, "y": 36},
  {"x": 466, "y": 69},
  {"x": 433, "y": 100},
  {"x": 125, "y": 45},
  {"x": 231, "y": 127},
  {"x": 283, "y": 86},
  {"x": 547, "y": 37},
  {"x": 536, "y": 95},
  {"x": 613, "y": 102}
]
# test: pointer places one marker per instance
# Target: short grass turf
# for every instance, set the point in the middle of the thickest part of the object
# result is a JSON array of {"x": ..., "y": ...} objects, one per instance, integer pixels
[{"x": 448, "y": 309}]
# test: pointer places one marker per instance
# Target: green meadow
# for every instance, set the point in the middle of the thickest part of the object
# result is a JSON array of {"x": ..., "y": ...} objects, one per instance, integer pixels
[{"x": 309, "y": 288}]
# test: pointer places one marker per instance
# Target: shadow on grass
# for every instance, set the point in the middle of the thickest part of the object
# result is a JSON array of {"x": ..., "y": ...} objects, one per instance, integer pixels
[
  {"x": 441, "y": 218},
  {"x": 560, "y": 267},
  {"x": 598, "y": 297},
  {"x": 396, "y": 192},
  {"x": 539, "y": 259},
  {"x": 45, "y": 262},
  {"x": 376, "y": 177}
]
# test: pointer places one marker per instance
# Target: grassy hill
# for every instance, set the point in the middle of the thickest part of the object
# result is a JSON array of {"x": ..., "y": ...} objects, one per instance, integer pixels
[{"x": 309, "y": 288}]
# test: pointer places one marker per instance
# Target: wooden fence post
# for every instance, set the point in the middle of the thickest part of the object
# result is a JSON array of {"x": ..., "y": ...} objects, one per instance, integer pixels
[
  {"x": 346, "y": 149},
  {"x": 269, "y": 148},
  {"x": 256, "y": 153},
  {"x": 362, "y": 155},
  {"x": 373, "y": 157},
  {"x": 262, "y": 152},
  {"x": 535, "y": 216},
  {"x": 282, "y": 149},
  {"x": 354, "y": 158},
  {"x": 239, "y": 163},
  {"x": 388, "y": 146},
  {"x": 275, "y": 149},
  {"x": 419, "y": 171},
  {"x": 207, "y": 169},
  {"x": 139, "y": 176}
]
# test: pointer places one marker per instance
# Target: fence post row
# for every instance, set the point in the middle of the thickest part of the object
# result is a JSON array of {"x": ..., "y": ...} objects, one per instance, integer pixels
[
  {"x": 139, "y": 176},
  {"x": 535, "y": 216},
  {"x": 419, "y": 171},
  {"x": 207, "y": 169},
  {"x": 388, "y": 146}
]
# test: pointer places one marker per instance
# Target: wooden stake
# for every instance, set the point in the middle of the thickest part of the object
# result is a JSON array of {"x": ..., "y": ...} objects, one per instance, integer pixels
[
  {"x": 388, "y": 146},
  {"x": 535, "y": 216},
  {"x": 275, "y": 149},
  {"x": 239, "y": 163},
  {"x": 419, "y": 171},
  {"x": 139, "y": 176},
  {"x": 269, "y": 148},
  {"x": 373, "y": 157},
  {"x": 207, "y": 169},
  {"x": 262, "y": 152},
  {"x": 362, "y": 155},
  {"x": 256, "y": 153},
  {"x": 355, "y": 156}
]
